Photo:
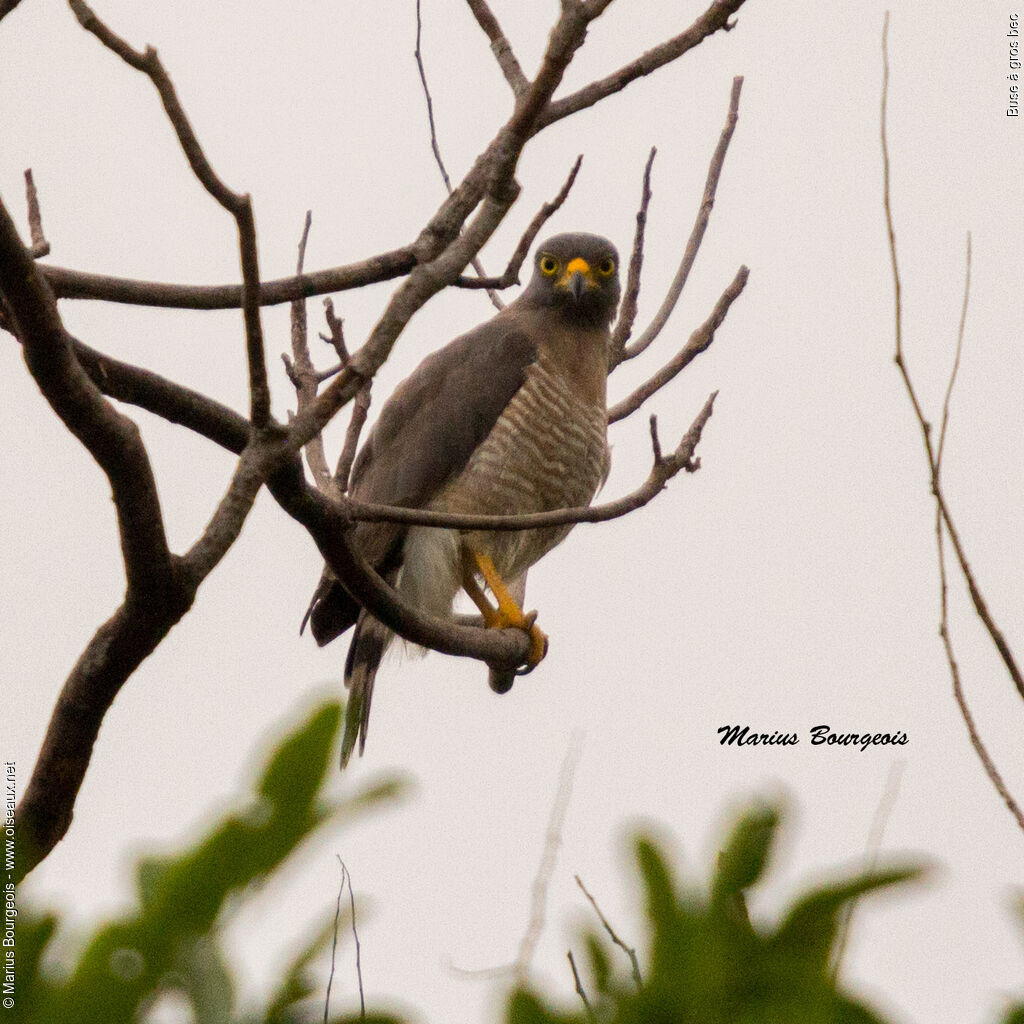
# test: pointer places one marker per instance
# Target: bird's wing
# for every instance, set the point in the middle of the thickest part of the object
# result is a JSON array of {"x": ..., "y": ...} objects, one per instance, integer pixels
[
  {"x": 424, "y": 436},
  {"x": 436, "y": 419}
]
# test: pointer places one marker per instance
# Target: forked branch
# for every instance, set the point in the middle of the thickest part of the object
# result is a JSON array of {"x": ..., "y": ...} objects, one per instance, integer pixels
[{"x": 933, "y": 454}]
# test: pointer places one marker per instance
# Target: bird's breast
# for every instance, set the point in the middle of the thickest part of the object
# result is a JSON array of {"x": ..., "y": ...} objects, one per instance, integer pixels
[{"x": 547, "y": 450}]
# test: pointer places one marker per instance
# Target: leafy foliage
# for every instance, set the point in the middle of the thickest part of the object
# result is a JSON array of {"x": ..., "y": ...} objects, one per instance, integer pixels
[
  {"x": 170, "y": 942},
  {"x": 707, "y": 962}
]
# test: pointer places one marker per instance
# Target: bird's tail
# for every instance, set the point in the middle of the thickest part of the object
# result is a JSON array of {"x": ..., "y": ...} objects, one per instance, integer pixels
[{"x": 369, "y": 642}]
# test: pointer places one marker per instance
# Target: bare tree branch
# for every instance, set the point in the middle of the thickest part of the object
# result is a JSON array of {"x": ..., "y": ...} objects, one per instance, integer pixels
[
  {"x": 155, "y": 597},
  {"x": 580, "y": 991},
  {"x": 697, "y": 234},
  {"x": 79, "y": 284},
  {"x": 6, "y": 6},
  {"x": 699, "y": 340},
  {"x": 628, "y": 307},
  {"x": 301, "y": 371},
  {"x": 500, "y": 47},
  {"x": 715, "y": 18},
  {"x": 40, "y": 246},
  {"x": 167, "y": 399},
  {"x": 663, "y": 470},
  {"x": 435, "y": 146},
  {"x": 343, "y": 471},
  {"x": 872, "y": 848},
  {"x": 68, "y": 283},
  {"x": 239, "y": 206},
  {"x": 943, "y": 516},
  {"x": 628, "y": 950},
  {"x": 958, "y": 691},
  {"x": 548, "y": 859},
  {"x": 161, "y": 587},
  {"x": 111, "y": 439},
  {"x": 515, "y": 264}
]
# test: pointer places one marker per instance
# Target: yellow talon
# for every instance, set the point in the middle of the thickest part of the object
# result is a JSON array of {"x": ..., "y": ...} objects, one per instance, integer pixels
[{"x": 508, "y": 613}]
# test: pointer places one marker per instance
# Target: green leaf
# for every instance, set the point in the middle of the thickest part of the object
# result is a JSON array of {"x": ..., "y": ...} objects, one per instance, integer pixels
[
  {"x": 600, "y": 962},
  {"x": 658, "y": 882},
  {"x": 296, "y": 984},
  {"x": 203, "y": 975},
  {"x": 743, "y": 858},
  {"x": 809, "y": 929},
  {"x": 298, "y": 766}
]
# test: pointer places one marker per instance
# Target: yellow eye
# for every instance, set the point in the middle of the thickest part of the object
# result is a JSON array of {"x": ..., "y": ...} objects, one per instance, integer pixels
[
  {"x": 606, "y": 267},
  {"x": 548, "y": 266}
]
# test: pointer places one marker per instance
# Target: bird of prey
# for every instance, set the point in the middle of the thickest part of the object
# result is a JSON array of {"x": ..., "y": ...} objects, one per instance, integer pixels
[{"x": 509, "y": 418}]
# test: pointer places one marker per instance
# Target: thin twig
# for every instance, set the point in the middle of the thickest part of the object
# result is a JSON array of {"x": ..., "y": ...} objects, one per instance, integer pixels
[
  {"x": 511, "y": 273},
  {"x": 698, "y": 342},
  {"x": 337, "y": 337},
  {"x": 302, "y": 373},
  {"x": 40, "y": 246},
  {"x": 939, "y": 448},
  {"x": 628, "y": 950},
  {"x": 943, "y": 516},
  {"x": 360, "y": 407},
  {"x": 549, "y": 856},
  {"x": 435, "y": 146},
  {"x": 355, "y": 936},
  {"x": 872, "y": 848},
  {"x": 714, "y": 19},
  {"x": 346, "y": 876},
  {"x": 958, "y": 691},
  {"x": 579, "y": 987},
  {"x": 656, "y": 442},
  {"x": 628, "y": 306},
  {"x": 334, "y": 946},
  {"x": 697, "y": 232}
]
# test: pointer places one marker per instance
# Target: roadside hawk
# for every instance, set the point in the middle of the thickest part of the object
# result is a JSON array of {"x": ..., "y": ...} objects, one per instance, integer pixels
[{"x": 509, "y": 418}]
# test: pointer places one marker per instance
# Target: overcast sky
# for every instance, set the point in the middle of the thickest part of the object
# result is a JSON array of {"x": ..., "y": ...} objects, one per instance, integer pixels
[{"x": 791, "y": 582}]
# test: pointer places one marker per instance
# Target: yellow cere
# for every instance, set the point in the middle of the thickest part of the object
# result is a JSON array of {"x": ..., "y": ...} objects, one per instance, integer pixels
[{"x": 578, "y": 264}]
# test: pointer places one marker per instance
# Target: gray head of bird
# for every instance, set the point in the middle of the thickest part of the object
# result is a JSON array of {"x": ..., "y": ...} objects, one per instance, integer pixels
[{"x": 577, "y": 274}]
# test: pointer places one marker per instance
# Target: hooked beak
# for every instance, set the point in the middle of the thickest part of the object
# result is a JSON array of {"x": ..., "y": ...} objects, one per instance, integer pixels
[{"x": 578, "y": 278}]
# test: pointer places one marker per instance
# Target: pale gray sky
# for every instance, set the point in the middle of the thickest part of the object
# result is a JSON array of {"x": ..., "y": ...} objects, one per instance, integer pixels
[{"x": 791, "y": 582}]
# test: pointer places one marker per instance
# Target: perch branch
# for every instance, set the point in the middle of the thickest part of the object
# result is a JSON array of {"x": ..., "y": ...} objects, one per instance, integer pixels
[{"x": 664, "y": 468}]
